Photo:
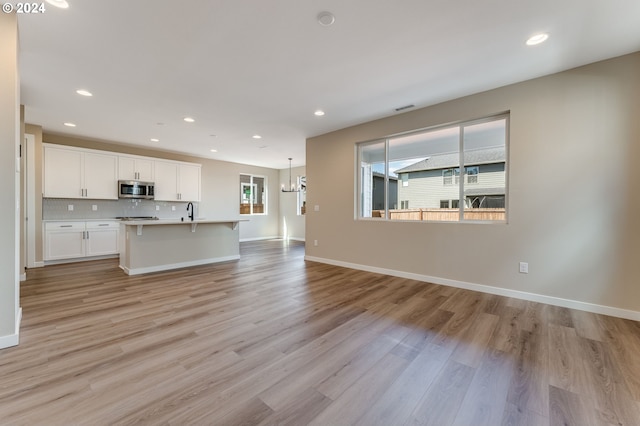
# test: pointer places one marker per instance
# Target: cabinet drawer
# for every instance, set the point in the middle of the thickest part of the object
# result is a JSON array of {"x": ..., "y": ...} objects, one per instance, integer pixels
[
  {"x": 64, "y": 226},
  {"x": 107, "y": 224}
]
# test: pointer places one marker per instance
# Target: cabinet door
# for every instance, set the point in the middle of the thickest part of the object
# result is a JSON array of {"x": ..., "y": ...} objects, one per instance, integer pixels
[
  {"x": 62, "y": 173},
  {"x": 131, "y": 168},
  {"x": 189, "y": 182},
  {"x": 166, "y": 181},
  {"x": 101, "y": 176},
  {"x": 126, "y": 168},
  {"x": 144, "y": 169},
  {"x": 101, "y": 241},
  {"x": 64, "y": 240}
]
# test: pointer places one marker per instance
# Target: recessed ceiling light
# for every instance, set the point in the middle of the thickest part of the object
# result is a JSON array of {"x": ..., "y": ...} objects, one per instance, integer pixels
[
  {"x": 257, "y": 137},
  {"x": 326, "y": 18},
  {"x": 69, "y": 124},
  {"x": 319, "y": 113},
  {"x": 84, "y": 92},
  {"x": 62, "y": 4},
  {"x": 213, "y": 150},
  {"x": 189, "y": 119},
  {"x": 537, "y": 39},
  {"x": 155, "y": 140}
]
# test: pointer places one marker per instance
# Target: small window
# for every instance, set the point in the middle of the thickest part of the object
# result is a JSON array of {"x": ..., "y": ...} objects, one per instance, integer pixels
[
  {"x": 302, "y": 195},
  {"x": 253, "y": 194},
  {"x": 444, "y": 204},
  {"x": 472, "y": 174}
]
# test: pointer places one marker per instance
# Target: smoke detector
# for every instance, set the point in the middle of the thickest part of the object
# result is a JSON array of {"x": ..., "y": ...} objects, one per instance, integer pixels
[{"x": 326, "y": 19}]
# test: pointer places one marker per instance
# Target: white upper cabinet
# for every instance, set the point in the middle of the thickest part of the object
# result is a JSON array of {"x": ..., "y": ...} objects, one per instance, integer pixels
[
  {"x": 75, "y": 173},
  {"x": 71, "y": 172},
  {"x": 189, "y": 182},
  {"x": 166, "y": 183},
  {"x": 135, "y": 168},
  {"x": 177, "y": 181}
]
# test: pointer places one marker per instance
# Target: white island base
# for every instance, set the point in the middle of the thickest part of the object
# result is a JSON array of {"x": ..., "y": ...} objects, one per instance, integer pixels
[{"x": 160, "y": 245}]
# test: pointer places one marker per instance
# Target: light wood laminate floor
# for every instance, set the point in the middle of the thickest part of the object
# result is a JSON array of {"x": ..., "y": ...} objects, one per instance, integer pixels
[{"x": 274, "y": 340}]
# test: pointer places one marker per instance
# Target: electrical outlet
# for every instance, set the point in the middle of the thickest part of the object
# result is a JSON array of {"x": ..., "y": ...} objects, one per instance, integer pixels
[
  {"x": 70, "y": 207},
  {"x": 173, "y": 208},
  {"x": 524, "y": 268},
  {"x": 315, "y": 243},
  {"x": 157, "y": 208},
  {"x": 94, "y": 207},
  {"x": 316, "y": 208}
]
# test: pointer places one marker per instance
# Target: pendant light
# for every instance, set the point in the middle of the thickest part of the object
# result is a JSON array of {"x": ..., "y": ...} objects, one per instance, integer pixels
[{"x": 291, "y": 187}]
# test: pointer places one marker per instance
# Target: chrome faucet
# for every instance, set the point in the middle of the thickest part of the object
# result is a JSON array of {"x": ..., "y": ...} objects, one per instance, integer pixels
[{"x": 190, "y": 214}]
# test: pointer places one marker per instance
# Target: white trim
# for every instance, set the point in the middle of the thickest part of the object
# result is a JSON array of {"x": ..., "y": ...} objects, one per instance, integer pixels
[
  {"x": 158, "y": 268},
  {"x": 12, "y": 339},
  {"x": 244, "y": 240},
  {"x": 79, "y": 259},
  {"x": 295, "y": 238},
  {"x": 30, "y": 191},
  {"x": 533, "y": 297},
  {"x": 39, "y": 264}
]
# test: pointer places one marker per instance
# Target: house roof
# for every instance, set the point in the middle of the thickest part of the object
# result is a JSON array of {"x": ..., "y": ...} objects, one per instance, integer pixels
[
  {"x": 483, "y": 191},
  {"x": 378, "y": 174},
  {"x": 446, "y": 161}
]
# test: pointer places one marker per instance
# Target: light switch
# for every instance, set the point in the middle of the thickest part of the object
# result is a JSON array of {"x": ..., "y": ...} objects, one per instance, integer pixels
[
  {"x": 94, "y": 207},
  {"x": 316, "y": 208}
]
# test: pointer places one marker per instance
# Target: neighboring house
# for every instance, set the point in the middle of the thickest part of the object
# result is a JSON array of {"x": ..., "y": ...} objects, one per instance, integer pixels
[
  {"x": 378, "y": 191},
  {"x": 434, "y": 181}
]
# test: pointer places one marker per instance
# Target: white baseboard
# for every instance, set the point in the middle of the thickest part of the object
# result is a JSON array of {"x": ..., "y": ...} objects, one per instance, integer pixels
[
  {"x": 79, "y": 259},
  {"x": 297, "y": 239},
  {"x": 533, "y": 297},
  {"x": 244, "y": 240},
  {"x": 38, "y": 265},
  {"x": 12, "y": 339},
  {"x": 158, "y": 268}
]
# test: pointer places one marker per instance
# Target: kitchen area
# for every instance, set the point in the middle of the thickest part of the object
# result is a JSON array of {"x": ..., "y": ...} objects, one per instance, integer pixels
[{"x": 144, "y": 210}]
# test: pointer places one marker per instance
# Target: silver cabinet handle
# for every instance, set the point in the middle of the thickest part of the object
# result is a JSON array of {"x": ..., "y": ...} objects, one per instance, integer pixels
[{"x": 66, "y": 226}]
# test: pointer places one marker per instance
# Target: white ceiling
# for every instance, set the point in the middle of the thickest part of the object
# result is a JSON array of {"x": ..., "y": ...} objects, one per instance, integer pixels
[{"x": 263, "y": 67}]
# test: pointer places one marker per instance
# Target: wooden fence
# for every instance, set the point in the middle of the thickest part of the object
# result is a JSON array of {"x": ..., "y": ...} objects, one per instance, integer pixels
[{"x": 443, "y": 215}]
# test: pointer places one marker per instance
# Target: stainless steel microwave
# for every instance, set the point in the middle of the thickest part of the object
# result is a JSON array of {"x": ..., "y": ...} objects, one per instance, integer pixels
[{"x": 135, "y": 189}]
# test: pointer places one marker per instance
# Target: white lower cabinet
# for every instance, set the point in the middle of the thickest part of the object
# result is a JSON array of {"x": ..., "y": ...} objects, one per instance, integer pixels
[{"x": 70, "y": 240}]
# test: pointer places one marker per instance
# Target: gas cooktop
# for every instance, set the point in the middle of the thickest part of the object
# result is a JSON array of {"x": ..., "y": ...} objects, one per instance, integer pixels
[{"x": 138, "y": 218}]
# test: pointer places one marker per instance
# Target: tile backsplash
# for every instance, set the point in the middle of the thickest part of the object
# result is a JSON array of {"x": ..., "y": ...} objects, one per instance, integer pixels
[{"x": 58, "y": 209}]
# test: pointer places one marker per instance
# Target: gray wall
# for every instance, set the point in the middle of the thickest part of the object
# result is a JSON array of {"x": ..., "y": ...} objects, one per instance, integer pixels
[
  {"x": 574, "y": 195},
  {"x": 9, "y": 181}
]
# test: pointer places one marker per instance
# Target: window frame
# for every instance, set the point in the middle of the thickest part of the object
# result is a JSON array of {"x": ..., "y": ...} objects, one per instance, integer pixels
[
  {"x": 253, "y": 200},
  {"x": 385, "y": 216}
]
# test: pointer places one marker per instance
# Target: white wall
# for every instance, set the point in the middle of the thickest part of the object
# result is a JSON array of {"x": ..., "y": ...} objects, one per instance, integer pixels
[
  {"x": 573, "y": 196},
  {"x": 9, "y": 182},
  {"x": 292, "y": 225}
]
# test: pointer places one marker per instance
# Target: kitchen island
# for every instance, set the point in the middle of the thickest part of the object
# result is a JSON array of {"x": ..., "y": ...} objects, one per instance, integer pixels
[{"x": 160, "y": 245}]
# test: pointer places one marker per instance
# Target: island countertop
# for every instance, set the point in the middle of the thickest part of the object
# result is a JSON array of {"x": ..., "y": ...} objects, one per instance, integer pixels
[{"x": 179, "y": 222}]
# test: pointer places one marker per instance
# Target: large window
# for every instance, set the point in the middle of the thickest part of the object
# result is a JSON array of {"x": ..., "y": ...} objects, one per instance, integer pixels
[
  {"x": 446, "y": 173},
  {"x": 253, "y": 194}
]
